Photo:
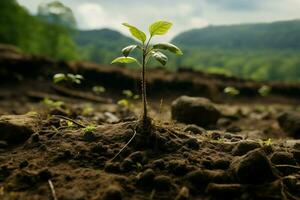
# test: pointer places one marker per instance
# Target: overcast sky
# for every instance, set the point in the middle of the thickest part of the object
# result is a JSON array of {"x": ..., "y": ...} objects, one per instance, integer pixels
[{"x": 185, "y": 14}]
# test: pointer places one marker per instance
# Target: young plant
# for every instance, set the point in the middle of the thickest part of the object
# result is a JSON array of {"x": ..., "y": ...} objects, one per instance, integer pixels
[
  {"x": 69, "y": 78},
  {"x": 148, "y": 51},
  {"x": 231, "y": 91}
]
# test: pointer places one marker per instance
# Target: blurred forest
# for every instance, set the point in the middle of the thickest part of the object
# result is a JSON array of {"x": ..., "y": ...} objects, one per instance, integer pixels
[{"x": 268, "y": 51}]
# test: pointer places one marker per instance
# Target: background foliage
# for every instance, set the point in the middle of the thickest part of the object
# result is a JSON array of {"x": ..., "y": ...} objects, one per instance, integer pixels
[{"x": 269, "y": 51}]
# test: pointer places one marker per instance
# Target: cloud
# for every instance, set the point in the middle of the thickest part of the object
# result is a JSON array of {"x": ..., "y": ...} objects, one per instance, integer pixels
[
  {"x": 238, "y": 4},
  {"x": 91, "y": 14}
]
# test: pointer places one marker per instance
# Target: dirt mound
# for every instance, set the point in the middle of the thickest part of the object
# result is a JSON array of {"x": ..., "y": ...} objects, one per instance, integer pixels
[{"x": 16, "y": 67}]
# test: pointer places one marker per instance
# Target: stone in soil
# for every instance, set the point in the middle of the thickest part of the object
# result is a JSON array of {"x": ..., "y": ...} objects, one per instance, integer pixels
[
  {"x": 283, "y": 158},
  {"x": 194, "y": 129},
  {"x": 146, "y": 178},
  {"x": 162, "y": 182},
  {"x": 15, "y": 129},
  {"x": 195, "y": 110},
  {"x": 290, "y": 123},
  {"x": 244, "y": 147},
  {"x": 252, "y": 168},
  {"x": 113, "y": 192}
]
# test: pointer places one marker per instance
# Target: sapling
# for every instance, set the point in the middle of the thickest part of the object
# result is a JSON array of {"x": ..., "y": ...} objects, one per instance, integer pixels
[{"x": 148, "y": 51}]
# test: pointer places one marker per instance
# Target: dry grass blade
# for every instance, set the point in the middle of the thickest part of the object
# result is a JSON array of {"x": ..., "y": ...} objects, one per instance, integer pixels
[{"x": 54, "y": 197}]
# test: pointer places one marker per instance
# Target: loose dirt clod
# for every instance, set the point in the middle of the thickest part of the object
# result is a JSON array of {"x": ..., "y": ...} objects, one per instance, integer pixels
[{"x": 15, "y": 129}]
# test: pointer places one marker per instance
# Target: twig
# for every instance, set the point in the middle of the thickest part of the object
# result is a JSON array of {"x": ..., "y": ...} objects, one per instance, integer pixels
[
  {"x": 71, "y": 120},
  {"x": 54, "y": 197},
  {"x": 152, "y": 194},
  {"x": 124, "y": 146}
]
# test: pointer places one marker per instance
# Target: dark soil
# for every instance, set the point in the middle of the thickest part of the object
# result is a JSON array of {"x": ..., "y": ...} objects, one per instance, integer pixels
[{"x": 245, "y": 155}]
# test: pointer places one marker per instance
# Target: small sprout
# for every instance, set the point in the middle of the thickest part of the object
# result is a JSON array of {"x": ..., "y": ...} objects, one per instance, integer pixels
[
  {"x": 267, "y": 142},
  {"x": 71, "y": 78},
  {"x": 127, "y": 93},
  {"x": 51, "y": 103},
  {"x": 264, "y": 90},
  {"x": 70, "y": 124},
  {"x": 148, "y": 51},
  {"x": 123, "y": 103},
  {"x": 98, "y": 89},
  {"x": 231, "y": 91},
  {"x": 89, "y": 129},
  {"x": 139, "y": 166},
  {"x": 136, "y": 97}
]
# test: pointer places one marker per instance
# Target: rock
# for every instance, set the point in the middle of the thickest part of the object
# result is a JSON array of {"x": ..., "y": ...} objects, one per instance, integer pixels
[
  {"x": 160, "y": 164},
  {"x": 111, "y": 118},
  {"x": 113, "y": 192},
  {"x": 192, "y": 143},
  {"x": 137, "y": 157},
  {"x": 290, "y": 123},
  {"x": 16, "y": 129},
  {"x": 194, "y": 110},
  {"x": 146, "y": 178},
  {"x": 287, "y": 169},
  {"x": 194, "y": 129},
  {"x": 112, "y": 167},
  {"x": 283, "y": 158},
  {"x": 178, "y": 167},
  {"x": 199, "y": 179},
  {"x": 162, "y": 182},
  {"x": 252, "y": 168},
  {"x": 244, "y": 147},
  {"x": 127, "y": 165}
]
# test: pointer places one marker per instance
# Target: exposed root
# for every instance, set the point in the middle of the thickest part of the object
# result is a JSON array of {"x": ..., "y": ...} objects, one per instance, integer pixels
[
  {"x": 69, "y": 119},
  {"x": 54, "y": 197},
  {"x": 126, "y": 145}
]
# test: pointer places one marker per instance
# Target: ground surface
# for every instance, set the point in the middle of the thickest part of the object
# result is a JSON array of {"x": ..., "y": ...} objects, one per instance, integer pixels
[{"x": 246, "y": 155}]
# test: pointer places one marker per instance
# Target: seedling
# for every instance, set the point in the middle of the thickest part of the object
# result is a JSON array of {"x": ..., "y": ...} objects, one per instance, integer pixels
[
  {"x": 51, "y": 103},
  {"x": 148, "y": 51},
  {"x": 264, "y": 90},
  {"x": 267, "y": 142},
  {"x": 89, "y": 129},
  {"x": 70, "y": 78},
  {"x": 98, "y": 89},
  {"x": 231, "y": 91}
]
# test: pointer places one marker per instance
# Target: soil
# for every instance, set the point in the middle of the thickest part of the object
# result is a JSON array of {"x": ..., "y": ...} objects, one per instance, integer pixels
[{"x": 82, "y": 150}]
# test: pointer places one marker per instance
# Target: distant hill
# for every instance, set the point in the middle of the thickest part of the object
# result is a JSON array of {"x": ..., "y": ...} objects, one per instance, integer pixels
[
  {"x": 101, "y": 45},
  {"x": 277, "y": 35}
]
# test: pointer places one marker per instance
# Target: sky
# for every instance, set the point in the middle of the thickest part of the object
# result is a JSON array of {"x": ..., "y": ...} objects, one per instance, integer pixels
[{"x": 185, "y": 14}]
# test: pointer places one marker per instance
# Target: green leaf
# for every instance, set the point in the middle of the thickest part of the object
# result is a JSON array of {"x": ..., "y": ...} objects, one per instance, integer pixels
[
  {"x": 58, "y": 78},
  {"x": 159, "y": 28},
  {"x": 127, "y": 50},
  {"x": 138, "y": 34},
  {"x": 160, "y": 57},
  {"x": 167, "y": 46},
  {"x": 124, "y": 60}
]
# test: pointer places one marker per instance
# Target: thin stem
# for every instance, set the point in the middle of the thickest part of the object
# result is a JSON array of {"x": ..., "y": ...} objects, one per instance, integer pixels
[{"x": 144, "y": 92}]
